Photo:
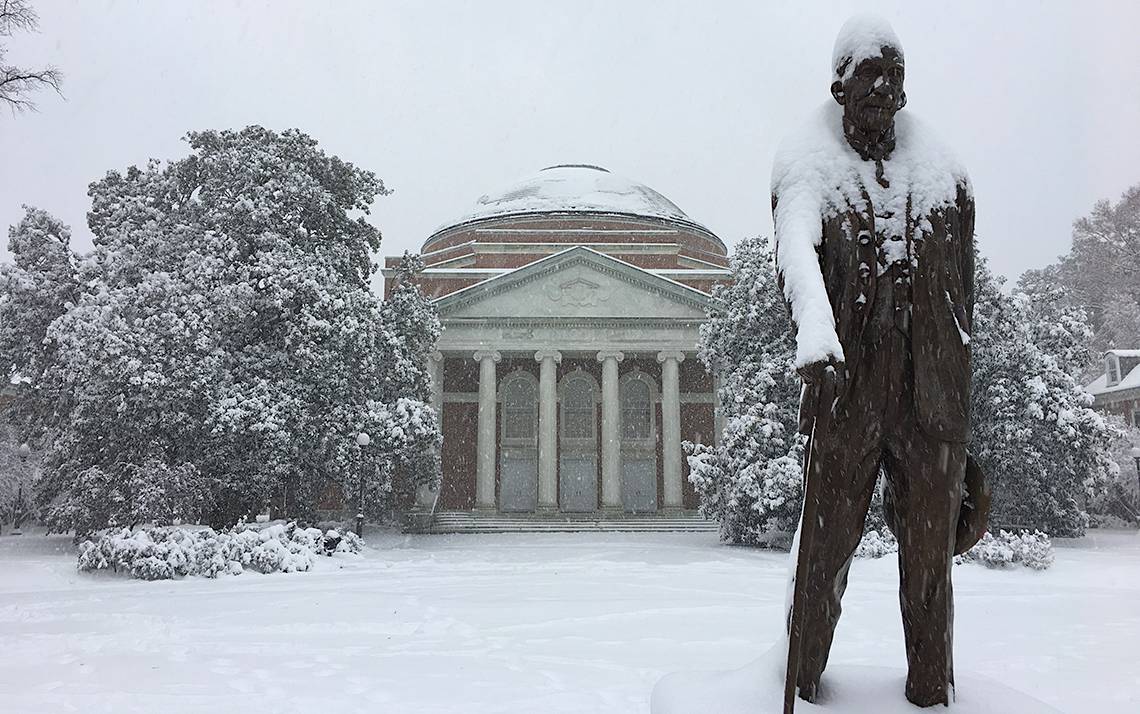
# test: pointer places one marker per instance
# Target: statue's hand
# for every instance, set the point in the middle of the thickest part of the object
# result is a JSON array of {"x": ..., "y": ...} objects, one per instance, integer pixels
[{"x": 830, "y": 371}]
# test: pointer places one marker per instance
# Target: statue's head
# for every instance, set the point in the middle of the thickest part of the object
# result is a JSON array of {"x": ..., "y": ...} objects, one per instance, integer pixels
[{"x": 868, "y": 74}]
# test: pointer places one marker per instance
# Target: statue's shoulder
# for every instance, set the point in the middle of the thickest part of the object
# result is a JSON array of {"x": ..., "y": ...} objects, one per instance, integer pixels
[
  {"x": 811, "y": 153},
  {"x": 938, "y": 176},
  {"x": 815, "y": 175}
]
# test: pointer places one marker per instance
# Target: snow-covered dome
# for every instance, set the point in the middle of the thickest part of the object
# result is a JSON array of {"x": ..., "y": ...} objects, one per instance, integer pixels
[{"x": 574, "y": 188}]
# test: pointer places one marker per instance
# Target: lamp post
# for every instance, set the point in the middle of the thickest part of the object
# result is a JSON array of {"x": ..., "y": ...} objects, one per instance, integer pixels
[
  {"x": 363, "y": 440},
  {"x": 23, "y": 451}
]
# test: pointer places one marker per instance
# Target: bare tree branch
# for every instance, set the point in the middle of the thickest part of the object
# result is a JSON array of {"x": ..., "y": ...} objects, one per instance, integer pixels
[
  {"x": 16, "y": 83},
  {"x": 17, "y": 15}
]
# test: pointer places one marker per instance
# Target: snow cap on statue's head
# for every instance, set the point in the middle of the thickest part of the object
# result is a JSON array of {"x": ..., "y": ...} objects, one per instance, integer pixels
[{"x": 861, "y": 37}]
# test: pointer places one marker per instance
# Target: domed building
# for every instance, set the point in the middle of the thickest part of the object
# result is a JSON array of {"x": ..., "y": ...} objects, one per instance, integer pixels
[{"x": 566, "y": 370}]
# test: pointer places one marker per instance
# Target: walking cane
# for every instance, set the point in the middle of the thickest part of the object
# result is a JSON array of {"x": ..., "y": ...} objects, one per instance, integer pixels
[{"x": 809, "y": 523}]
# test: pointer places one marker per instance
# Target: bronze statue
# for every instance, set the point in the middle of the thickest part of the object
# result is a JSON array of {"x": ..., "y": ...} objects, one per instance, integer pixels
[{"x": 875, "y": 254}]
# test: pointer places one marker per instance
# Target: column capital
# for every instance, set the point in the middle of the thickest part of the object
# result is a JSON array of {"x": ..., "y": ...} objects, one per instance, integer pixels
[
  {"x": 548, "y": 354},
  {"x": 677, "y": 355},
  {"x": 610, "y": 354},
  {"x": 481, "y": 355}
]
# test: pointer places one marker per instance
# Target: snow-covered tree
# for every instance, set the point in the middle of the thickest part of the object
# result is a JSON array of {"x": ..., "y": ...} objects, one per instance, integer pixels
[
  {"x": 412, "y": 330},
  {"x": 1035, "y": 434},
  {"x": 1120, "y": 498},
  {"x": 1101, "y": 272},
  {"x": 35, "y": 289},
  {"x": 751, "y": 481},
  {"x": 227, "y": 326}
]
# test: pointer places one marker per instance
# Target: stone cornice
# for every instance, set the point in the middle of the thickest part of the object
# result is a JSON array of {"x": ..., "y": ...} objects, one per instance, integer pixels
[
  {"x": 519, "y": 220},
  {"x": 575, "y": 322},
  {"x": 604, "y": 264}
]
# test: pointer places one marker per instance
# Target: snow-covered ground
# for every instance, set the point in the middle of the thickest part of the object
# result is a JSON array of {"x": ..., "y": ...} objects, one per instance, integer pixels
[{"x": 550, "y": 623}]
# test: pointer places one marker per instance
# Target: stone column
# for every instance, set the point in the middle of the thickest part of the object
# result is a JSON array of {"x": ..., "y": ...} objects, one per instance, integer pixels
[
  {"x": 426, "y": 496},
  {"x": 611, "y": 431},
  {"x": 548, "y": 361},
  {"x": 671, "y": 426},
  {"x": 485, "y": 444}
]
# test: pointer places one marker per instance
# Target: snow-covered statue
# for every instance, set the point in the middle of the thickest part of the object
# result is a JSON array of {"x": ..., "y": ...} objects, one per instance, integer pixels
[{"x": 874, "y": 223}]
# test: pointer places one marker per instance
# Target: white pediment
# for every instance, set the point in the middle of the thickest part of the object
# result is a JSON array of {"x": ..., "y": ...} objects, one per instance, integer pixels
[{"x": 576, "y": 283}]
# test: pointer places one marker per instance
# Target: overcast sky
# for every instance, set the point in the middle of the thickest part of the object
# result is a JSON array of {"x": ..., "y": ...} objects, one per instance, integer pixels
[{"x": 446, "y": 101}]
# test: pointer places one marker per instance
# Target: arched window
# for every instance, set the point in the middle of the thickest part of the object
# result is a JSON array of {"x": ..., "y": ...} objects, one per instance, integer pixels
[
  {"x": 578, "y": 408},
  {"x": 638, "y": 393},
  {"x": 636, "y": 409},
  {"x": 577, "y": 443},
  {"x": 520, "y": 407}
]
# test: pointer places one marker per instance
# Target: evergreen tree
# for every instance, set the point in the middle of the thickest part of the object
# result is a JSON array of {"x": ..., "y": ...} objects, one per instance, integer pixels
[
  {"x": 412, "y": 331},
  {"x": 40, "y": 285},
  {"x": 1041, "y": 445},
  {"x": 751, "y": 481}
]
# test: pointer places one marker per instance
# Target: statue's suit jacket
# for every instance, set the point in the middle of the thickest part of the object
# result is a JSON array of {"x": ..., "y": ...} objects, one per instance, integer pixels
[{"x": 942, "y": 305}]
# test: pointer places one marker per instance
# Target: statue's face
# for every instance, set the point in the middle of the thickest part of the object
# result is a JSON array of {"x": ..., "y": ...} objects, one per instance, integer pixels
[{"x": 873, "y": 93}]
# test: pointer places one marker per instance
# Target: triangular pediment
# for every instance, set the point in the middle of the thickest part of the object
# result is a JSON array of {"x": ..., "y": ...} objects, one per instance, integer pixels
[{"x": 577, "y": 283}]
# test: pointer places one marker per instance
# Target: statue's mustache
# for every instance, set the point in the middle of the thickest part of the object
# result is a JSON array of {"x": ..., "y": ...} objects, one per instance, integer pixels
[{"x": 880, "y": 100}]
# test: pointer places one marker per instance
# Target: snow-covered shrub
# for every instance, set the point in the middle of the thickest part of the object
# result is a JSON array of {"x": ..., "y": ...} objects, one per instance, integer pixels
[
  {"x": 990, "y": 551},
  {"x": 1035, "y": 550},
  {"x": 278, "y": 548},
  {"x": 342, "y": 543},
  {"x": 162, "y": 553},
  {"x": 876, "y": 544},
  {"x": 147, "y": 553},
  {"x": 1032, "y": 549}
]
